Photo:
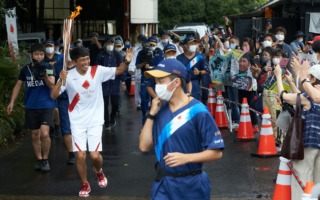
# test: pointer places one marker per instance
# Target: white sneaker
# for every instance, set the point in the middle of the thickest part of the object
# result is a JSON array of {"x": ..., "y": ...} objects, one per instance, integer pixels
[{"x": 235, "y": 126}]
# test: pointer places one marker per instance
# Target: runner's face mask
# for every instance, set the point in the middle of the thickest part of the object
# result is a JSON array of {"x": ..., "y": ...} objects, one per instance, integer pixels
[{"x": 162, "y": 91}]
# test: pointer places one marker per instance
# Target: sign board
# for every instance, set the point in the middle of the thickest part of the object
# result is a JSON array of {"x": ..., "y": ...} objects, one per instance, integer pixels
[
  {"x": 11, "y": 24},
  {"x": 144, "y": 11},
  {"x": 242, "y": 83}
]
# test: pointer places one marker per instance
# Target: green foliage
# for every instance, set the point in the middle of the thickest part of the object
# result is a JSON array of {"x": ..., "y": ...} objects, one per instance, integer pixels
[
  {"x": 172, "y": 12},
  {"x": 10, "y": 126}
]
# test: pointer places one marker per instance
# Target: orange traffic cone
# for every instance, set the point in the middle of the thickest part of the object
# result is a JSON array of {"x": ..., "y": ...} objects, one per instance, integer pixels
[
  {"x": 132, "y": 86},
  {"x": 212, "y": 104},
  {"x": 282, "y": 191},
  {"x": 245, "y": 132},
  {"x": 309, "y": 187},
  {"x": 267, "y": 147},
  {"x": 220, "y": 115}
]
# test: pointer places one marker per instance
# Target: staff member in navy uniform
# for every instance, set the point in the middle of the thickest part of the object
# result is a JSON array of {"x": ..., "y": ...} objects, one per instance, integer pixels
[
  {"x": 195, "y": 65},
  {"x": 111, "y": 88},
  {"x": 184, "y": 136},
  {"x": 147, "y": 58}
]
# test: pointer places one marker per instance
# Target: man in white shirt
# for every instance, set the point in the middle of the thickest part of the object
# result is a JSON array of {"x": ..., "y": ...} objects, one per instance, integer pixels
[
  {"x": 133, "y": 70},
  {"x": 84, "y": 89}
]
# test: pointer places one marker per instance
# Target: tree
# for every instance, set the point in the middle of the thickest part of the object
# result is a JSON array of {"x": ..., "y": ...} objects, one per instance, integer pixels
[{"x": 172, "y": 12}]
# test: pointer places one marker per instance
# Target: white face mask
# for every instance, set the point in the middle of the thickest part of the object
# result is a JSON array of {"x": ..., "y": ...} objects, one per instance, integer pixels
[
  {"x": 280, "y": 37},
  {"x": 171, "y": 57},
  {"x": 69, "y": 58},
  {"x": 165, "y": 41},
  {"x": 267, "y": 43},
  {"x": 162, "y": 91},
  {"x": 109, "y": 47},
  {"x": 276, "y": 61},
  {"x": 233, "y": 46},
  {"x": 300, "y": 40},
  {"x": 152, "y": 48},
  {"x": 49, "y": 50},
  {"x": 118, "y": 49},
  {"x": 192, "y": 48}
]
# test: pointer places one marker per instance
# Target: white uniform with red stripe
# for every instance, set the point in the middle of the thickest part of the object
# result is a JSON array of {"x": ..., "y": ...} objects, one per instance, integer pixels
[{"x": 86, "y": 107}]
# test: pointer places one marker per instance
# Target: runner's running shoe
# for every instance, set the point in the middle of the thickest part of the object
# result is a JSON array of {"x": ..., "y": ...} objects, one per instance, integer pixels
[
  {"x": 102, "y": 180},
  {"x": 85, "y": 190}
]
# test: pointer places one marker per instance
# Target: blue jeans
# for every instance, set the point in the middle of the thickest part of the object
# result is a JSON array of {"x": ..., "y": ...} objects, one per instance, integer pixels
[{"x": 233, "y": 96}]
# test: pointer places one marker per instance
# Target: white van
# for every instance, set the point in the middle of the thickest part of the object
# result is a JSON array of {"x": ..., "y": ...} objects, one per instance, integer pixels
[
  {"x": 28, "y": 39},
  {"x": 201, "y": 28}
]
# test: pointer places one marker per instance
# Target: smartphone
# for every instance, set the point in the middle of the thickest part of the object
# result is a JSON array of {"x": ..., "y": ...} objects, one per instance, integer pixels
[
  {"x": 256, "y": 61},
  {"x": 268, "y": 63},
  {"x": 284, "y": 62}
]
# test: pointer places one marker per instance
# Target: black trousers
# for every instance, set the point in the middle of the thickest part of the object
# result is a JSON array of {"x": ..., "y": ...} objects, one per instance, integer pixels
[{"x": 115, "y": 102}]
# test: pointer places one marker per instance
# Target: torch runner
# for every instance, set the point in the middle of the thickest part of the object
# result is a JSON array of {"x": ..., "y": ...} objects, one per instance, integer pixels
[{"x": 67, "y": 36}]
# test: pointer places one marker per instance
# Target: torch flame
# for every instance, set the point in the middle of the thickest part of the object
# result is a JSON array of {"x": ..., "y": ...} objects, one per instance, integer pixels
[{"x": 75, "y": 13}]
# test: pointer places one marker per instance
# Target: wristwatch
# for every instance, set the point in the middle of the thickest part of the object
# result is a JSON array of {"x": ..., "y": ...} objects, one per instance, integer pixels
[
  {"x": 305, "y": 80},
  {"x": 126, "y": 62},
  {"x": 150, "y": 116}
]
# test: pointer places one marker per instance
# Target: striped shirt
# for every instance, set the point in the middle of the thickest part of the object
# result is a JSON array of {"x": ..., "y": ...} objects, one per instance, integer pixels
[{"x": 311, "y": 125}]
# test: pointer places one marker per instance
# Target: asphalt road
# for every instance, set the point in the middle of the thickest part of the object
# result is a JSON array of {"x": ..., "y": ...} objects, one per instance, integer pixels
[{"x": 130, "y": 173}]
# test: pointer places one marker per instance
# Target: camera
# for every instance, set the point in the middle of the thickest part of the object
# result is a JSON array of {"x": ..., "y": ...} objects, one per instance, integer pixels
[
  {"x": 40, "y": 69},
  {"x": 147, "y": 55}
]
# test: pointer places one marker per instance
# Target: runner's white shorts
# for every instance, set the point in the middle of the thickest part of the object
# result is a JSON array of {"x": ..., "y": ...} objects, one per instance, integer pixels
[{"x": 83, "y": 136}]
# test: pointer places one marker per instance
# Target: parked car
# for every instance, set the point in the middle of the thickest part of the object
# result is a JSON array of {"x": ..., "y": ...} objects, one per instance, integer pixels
[
  {"x": 26, "y": 40},
  {"x": 183, "y": 33},
  {"x": 201, "y": 28}
]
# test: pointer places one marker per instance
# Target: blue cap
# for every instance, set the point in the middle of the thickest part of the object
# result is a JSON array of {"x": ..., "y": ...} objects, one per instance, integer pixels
[
  {"x": 56, "y": 43},
  {"x": 166, "y": 68},
  {"x": 118, "y": 43},
  {"x": 49, "y": 41},
  {"x": 142, "y": 38},
  {"x": 169, "y": 47},
  {"x": 164, "y": 33},
  {"x": 152, "y": 40},
  {"x": 108, "y": 39},
  {"x": 188, "y": 39}
]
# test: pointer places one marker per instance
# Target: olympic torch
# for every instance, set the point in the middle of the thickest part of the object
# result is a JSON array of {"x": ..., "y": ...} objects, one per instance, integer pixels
[{"x": 67, "y": 36}]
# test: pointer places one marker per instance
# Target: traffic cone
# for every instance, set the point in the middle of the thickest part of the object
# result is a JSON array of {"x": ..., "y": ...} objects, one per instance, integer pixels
[
  {"x": 245, "y": 132},
  {"x": 220, "y": 115},
  {"x": 212, "y": 104},
  {"x": 132, "y": 86},
  {"x": 309, "y": 187},
  {"x": 282, "y": 191},
  {"x": 267, "y": 147},
  {"x": 255, "y": 129}
]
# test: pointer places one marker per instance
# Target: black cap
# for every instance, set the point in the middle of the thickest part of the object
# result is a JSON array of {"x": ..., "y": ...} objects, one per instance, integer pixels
[
  {"x": 94, "y": 34},
  {"x": 299, "y": 34},
  {"x": 108, "y": 39}
]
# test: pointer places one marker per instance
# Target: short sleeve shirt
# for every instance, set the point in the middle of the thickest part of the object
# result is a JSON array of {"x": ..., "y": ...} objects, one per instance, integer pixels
[
  {"x": 200, "y": 64},
  {"x": 86, "y": 107},
  {"x": 190, "y": 129},
  {"x": 37, "y": 95}
]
